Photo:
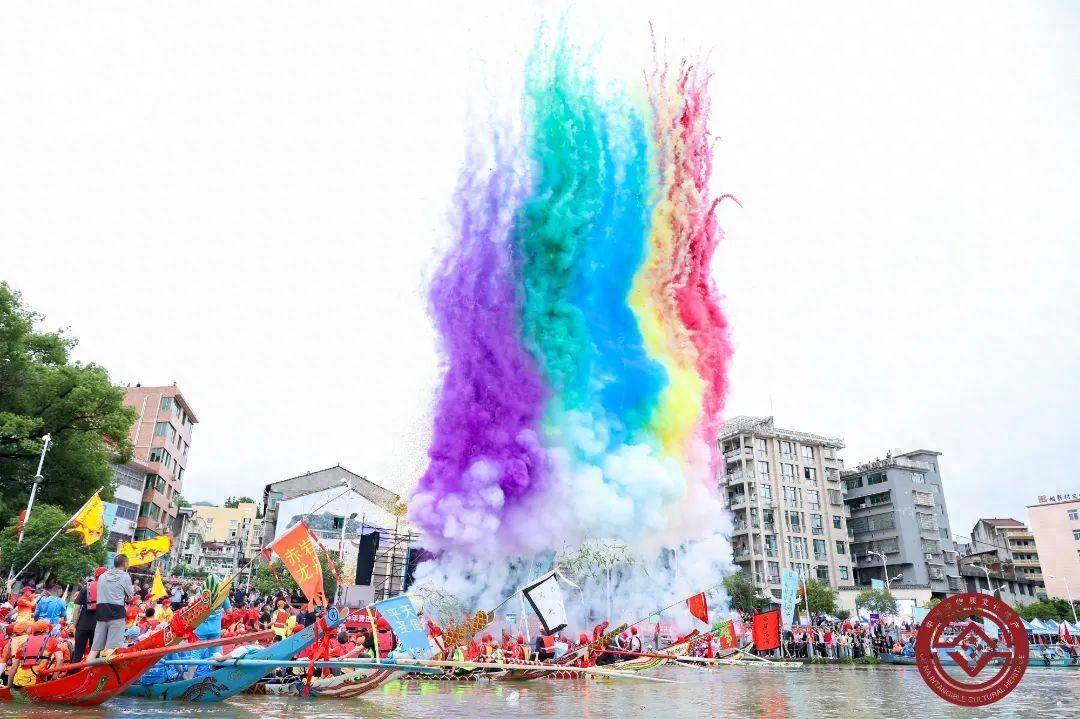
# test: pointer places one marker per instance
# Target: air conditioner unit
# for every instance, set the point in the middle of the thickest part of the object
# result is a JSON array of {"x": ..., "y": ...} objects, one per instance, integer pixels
[{"x": 929, "y": 557}]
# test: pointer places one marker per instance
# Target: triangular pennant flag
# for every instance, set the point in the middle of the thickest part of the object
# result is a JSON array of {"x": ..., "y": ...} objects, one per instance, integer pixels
[
  {"x": 89, "y": 522},
  {"x": 699, "y": 607},
  {"x": 157, "y": 587}
]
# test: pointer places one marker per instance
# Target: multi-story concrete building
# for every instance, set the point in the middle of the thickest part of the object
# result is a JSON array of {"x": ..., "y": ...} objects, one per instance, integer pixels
[
  {"x": 123, "y": 512},
  {"x": 161, "y": 437},
  {"x": 900, "y": 523},
  {"x": 237, "y": 525},
  {"x": 783, "y": 490},
  {"x": 1008, "y": 543},
  {"x": 1055, "y": 525},
  {"x": 985, "y": 573}
]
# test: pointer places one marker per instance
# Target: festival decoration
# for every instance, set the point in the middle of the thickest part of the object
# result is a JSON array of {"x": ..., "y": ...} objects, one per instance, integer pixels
[
  {"x": 699, "y": 607},
  {"x": 545, "y": 598},
  {"x": 89, "y": 522},
  {"x": 401, "y": 614},
  {"x": 145, "y": 551},
  {"x": 297, "y": 549},
  {"x": 766, "y": 629},
  {"x": 586, "y": 352},
  {"x": 157, "y": 586}
]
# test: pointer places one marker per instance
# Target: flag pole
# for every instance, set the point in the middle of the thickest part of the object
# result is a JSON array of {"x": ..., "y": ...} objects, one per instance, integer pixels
[{"x": 13, "y": 577}]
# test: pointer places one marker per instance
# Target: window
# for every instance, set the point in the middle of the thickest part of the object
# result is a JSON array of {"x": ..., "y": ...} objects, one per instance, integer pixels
[
  {"x": 794, "y": 520},
  {"x": 1076, "y": 534},
  {"x": 841, "y": 547},
  {"x": 762, "y": 446},
  {"x": 876, "y": 478},
  {"x": 813, "y": 499},
  {"x": 763, "y": 468},
  {"x": 931, "y": 546},
  {"x": 787, "y": 449},
  {"x": 819, "y": 549},
  {"x": 853, "y": 483},
  {"x": 164, "y": 429},
  {"x": 808, "y": 453},
  {"x": 1074, "y": 514},
  {"x": 766, "y": 493},
  {"x": 787, "y": 470},
  {"x": 822, "y": 574},
  {"x": 837, "y": 523},
  {"x": 843, "y": 572},
  {"x": 167, "y": 403},
  {"x": 796, "y": 547},
  {"x": 160, "y": 454},
  {"x": 809, "y": 474},
  {"x": 927, "y": 521},
  {"x": 883, "y": 498},
  {"x": 791, "y": 494},
  {"x": 835, "y": 498},
  {"x": 816, "y": 523},
  {"x": 917, "y": 478}
]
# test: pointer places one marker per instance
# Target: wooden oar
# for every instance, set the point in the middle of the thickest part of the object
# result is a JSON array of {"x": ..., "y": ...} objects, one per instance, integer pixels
[
  {"x": 597, "y": 671},
  {"x": 121, "y": 656}
]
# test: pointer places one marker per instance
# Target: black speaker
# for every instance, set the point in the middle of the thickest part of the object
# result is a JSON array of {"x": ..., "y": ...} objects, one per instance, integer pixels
[
  {"x": 365, "y": 557},
  {"x": 413, "y": 557}
]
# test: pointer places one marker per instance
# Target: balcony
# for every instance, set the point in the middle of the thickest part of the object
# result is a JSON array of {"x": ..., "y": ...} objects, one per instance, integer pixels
[
  {"x": 736, "y": 500},
  {"x": 738, "y": 528},
  {"x": 770, "y": 551},
  {"x": 740, "y": 553},
  {"x": 769, "y": 526},
  {"x": 817, "y": 530}
]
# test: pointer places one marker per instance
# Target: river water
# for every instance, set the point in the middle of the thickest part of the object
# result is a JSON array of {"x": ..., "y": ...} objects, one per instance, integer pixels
[{"x": 820, "y": 692}]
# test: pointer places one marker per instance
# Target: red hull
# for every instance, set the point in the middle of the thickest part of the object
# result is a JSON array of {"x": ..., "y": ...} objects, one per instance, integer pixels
[{"x": 93, "y": 685}]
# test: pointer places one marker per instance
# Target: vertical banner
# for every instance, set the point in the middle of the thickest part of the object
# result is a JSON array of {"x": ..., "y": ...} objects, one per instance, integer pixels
[
  {"x": 789, "y": 594},
  {"x": 766, "y": 629}
]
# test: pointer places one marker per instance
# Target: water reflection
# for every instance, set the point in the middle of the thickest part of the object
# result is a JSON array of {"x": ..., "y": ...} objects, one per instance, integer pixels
[{"x": 810, "y": 693}]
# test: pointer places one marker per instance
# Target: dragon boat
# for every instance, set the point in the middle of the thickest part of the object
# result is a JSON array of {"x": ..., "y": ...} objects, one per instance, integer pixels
[
  {"x": 91, "y": 685},
  {"x": 524, "y": 675},
  {"x": 228, "y": 680}
]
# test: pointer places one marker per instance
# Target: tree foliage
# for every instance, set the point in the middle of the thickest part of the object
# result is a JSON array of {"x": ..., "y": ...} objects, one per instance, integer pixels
[
  {"x": 234, "y": 502},
  {"x": 821, "y": 597},
  {"x": 263, "y": 577},
  {"x": 43, "y": 392},
  {"x": 743, "y": 594},
  {"x": 876, "y": 600},
  {"x": 1056, "y": 609},
  {"x": 66, "y": 560}
]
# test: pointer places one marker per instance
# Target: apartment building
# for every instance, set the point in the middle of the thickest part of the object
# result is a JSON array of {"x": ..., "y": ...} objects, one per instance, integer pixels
[
  {"x": 900, "y": 523},
  {"x": 1055, "y": 525},
  {"x": 161, "y": 437},
  {"x": 1009, "y": 543},
  {"x": 783, "y": 489}
]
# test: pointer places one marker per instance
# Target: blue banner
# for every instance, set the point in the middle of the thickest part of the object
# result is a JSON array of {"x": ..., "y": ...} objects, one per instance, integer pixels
[
  {"x": 789, "y": 595},
  {"x": 411, "y": 634}
]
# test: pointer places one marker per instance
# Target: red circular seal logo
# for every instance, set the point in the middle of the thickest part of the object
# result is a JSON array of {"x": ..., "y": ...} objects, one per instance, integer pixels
[{"x": 968, "y": 663}]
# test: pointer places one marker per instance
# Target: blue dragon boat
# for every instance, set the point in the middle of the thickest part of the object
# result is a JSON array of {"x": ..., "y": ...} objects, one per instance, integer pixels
[{"x": 227, "y": 681}]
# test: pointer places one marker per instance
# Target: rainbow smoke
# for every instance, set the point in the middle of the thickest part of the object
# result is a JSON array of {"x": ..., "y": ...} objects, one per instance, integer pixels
[{"x": 586, "y": 352}]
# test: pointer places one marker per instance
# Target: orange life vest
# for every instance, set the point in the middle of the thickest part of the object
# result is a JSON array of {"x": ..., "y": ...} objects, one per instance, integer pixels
[
  {"x": 281, "y": 619},
  {"x": 33, "y": 650}
]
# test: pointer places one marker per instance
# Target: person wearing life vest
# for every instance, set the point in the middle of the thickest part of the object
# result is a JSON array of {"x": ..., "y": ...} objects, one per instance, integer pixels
[
  {"x": 25, "y": 605},
  {"x": 38, "y": 652},
  {"x": 16, "y": 637},
  {"x": 282, "y": 621}
]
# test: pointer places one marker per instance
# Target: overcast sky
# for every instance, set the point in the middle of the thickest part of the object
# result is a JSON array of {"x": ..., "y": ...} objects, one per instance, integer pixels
[{"x": 248, "y": 199}]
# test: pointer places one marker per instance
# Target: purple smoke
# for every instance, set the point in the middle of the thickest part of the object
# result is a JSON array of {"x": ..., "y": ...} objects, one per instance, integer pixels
[{"x": 487, "y": 465}]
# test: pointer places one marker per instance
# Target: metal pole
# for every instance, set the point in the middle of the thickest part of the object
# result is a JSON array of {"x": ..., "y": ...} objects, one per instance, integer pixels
[
  {"x": 14, "y": 576},
  {"x": 37, "y": 480}
]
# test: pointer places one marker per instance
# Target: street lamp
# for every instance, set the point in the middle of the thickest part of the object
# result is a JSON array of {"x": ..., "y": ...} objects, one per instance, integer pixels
[
  {"x": 989, "y": 583},
  {"x": 47, "y": 439},
  {"x": 884, "y": 567},
  {"x": 1068, "y": 592},
  {"x": 341, "y": 542}
]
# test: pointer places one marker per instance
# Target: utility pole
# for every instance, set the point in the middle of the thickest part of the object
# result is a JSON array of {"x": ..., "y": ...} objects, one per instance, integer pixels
[{"x": 47, "y": 439}]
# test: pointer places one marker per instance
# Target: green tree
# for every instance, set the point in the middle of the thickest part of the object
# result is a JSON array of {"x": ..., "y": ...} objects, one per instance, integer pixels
[
  {"x": 263, "y": 578},
  {"x": 65, "y": 561},
  {"x": 822, "y": 598},
  {"x": 742, "y": 593},
  {"x": 234, "y": 502},
  {"x": 875, "y": 600},
  {"x": 43, "y": 392},
  {"x": 1056, "y": 609}
]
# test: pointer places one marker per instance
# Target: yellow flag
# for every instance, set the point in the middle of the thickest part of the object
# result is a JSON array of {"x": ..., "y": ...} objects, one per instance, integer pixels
[
  {"x": 89, "y": 522},
  {"x": 145, "y": 551},
  {"x": 157, "y": 587}
]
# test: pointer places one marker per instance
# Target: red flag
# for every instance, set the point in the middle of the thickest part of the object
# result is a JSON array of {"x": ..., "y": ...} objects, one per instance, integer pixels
[
  {"x": 20, "y": 523},
  {"x": 767, "y": 629},
  {"x": 297, "y": 549},
  {"x": 699, "y": 607},
  {"x": 726, "y": 635}
]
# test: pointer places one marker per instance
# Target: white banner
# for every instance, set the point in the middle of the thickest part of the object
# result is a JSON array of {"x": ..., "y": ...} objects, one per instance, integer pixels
[{"x": 545, "y": 597}]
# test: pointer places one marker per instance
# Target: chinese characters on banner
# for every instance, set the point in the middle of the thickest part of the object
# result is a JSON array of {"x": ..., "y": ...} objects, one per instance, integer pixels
[
  {"x": 789, "y": 594},
  {"x": 296, "y": 548},
  {"x": 767, "y": 629},
  {"x": 401, "y": 614}
]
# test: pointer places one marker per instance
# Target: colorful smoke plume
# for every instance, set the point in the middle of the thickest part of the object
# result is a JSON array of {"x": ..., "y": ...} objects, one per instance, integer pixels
[{"x": 586, "y": 351}]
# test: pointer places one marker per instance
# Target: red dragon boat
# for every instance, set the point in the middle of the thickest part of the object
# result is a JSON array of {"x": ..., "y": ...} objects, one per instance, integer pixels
[{"x": 95, "y": 684}]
